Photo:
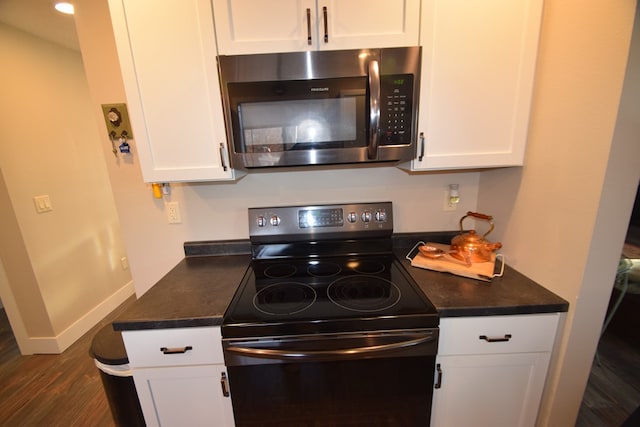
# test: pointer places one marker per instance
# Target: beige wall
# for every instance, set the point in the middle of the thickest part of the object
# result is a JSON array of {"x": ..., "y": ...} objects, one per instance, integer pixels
[
  {"x": 22, "y": 290},
  {"x": 566, "y": 212},
  {"x": 63, "y": 267}
]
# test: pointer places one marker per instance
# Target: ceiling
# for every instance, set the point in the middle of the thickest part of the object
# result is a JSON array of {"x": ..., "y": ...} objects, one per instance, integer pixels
[{"x": 39, "y": 18}]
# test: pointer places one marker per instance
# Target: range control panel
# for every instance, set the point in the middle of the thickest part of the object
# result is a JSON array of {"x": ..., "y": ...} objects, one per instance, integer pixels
[{"x": 317, "y": 220}]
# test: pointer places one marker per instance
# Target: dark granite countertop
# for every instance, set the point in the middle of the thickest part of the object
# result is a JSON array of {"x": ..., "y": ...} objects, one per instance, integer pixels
[
  {"x": 196, "y": 292},
  {"x": 456, "y": 296}
]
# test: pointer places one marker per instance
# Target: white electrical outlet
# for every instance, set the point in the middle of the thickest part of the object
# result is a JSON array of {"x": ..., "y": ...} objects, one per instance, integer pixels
[
  {"x": 173, "y": 213},
  {"x": 124, "y": 262},
  {"x": 447, "y": 205}
]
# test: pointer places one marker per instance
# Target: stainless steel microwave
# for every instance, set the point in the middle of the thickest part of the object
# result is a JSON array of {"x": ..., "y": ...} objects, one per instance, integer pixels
[{"x": 321, "y": 107}]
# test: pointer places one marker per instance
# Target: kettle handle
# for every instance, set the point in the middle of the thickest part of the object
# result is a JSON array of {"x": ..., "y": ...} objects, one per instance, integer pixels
[{"x": 477, "y": 215}]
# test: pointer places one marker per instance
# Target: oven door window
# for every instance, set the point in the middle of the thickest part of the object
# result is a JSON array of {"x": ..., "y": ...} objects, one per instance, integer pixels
[
  {"x": 371, "y": 392},
  {"x": 277, "y": 117}
]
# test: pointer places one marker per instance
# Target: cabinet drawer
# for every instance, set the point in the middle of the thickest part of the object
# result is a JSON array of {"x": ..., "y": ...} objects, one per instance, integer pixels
[
  {"x": 173, "y": 347},
  {"x": 497, "y": 334}
]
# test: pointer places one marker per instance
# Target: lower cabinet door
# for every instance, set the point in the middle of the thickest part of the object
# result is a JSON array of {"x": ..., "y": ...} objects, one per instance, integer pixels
[
  {"x": 492, "y": 390},
  {"x": 184, "y": 396}
]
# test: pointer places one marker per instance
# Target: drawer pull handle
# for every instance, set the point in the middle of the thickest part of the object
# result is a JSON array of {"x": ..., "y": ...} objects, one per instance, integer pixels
[
  {"x": 438, "y": 383},
  {"x": 224, "y": 384},
  {"x": 175, "y": 350},
  {"x": 507, "y": 337}
]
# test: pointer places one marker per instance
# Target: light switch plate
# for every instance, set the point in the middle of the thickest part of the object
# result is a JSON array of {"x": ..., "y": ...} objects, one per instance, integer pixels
[{"x": 43, "y": 204}]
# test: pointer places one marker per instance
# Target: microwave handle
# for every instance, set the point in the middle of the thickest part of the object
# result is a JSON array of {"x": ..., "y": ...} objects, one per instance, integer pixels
[{"x": 374, "y": 109}]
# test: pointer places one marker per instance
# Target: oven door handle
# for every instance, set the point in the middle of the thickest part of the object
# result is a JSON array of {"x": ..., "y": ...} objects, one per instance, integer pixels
[
  {"x": 374, "y": 109},
  {"x": 271, "y": 353}
]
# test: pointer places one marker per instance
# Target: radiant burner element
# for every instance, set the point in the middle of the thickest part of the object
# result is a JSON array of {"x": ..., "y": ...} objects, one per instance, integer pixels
[
  {"x": 368, "y": 267},
  {"x": 284, "y": 298},
  {"x": 279, "y": 271},
  {"x": 323, "y": 269},
  {"x": 364, "y": 293}
]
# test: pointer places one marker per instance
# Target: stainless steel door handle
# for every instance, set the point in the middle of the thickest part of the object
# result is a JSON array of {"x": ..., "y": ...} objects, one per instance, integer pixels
[
  {"x": 374, "y": 109},
  {"x": 271, "y": 353}
]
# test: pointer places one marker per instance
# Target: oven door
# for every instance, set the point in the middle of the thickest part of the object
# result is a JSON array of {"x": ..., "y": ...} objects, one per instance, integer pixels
[{"x": 354, "y": 379}]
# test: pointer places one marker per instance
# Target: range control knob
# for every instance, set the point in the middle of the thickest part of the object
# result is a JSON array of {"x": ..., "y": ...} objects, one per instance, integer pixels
[
  {"x": 352, "y": 217},
  {"x": 381, "y": 215},
  {"x": 261, "y": 221},
  {"x": 366, "y": 216},
  {"x": 275, "y": 220}
]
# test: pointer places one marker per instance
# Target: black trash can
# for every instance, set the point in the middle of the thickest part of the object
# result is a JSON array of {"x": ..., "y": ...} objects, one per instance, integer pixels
[{"x": 110, "y": 356}]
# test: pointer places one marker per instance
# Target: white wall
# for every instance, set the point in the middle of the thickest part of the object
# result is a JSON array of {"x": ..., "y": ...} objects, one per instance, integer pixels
[
  {"x": 566, "y": 212},
  {"x": 50, "y": 146}
]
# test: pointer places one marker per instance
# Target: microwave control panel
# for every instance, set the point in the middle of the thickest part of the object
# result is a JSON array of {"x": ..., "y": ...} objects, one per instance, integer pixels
[{"x": 396, "y": 101}]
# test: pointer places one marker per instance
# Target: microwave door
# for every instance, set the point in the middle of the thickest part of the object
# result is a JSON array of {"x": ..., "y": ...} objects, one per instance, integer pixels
[{"x": 374, "y": 109}]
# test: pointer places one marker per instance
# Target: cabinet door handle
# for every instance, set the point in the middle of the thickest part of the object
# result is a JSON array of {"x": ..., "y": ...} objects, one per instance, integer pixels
[
  {"x": 421, "y": 155},
  {"x": 309, "y": 26},
  {"x": 224, "y": 384},
  {"x": 175, "y": 350},
  {"x": 506, "y": 337},
  {"x": 222, "y": 159},
  {"x": 326, "y": 25},
  {"x": 438, "y": 383}
]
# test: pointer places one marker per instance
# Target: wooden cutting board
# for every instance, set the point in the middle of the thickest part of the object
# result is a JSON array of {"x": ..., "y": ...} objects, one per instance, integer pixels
[{"x": 448, "y": 264}]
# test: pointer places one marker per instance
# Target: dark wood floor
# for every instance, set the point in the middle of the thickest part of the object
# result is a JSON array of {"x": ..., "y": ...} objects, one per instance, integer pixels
[
  {"x": 613, "y": 390},
  {"x": 52, "y": 390}
]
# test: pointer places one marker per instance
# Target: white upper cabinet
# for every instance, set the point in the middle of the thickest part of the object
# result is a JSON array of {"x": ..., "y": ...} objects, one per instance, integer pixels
[
  {"x": 247, "y": 26},
  {"x": 477, "y": 79},
  {"x": 167, "y": 55}
]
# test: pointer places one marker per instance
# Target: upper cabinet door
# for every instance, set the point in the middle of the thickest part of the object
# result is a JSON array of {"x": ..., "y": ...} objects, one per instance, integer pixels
[
  {"x": 246, "y": 26},
  {"x": 357, "y": 24},
  {"x": 249, "y": 26},
  {"x": 167, "y": 56},
  {"x": 477, "y": 79}
]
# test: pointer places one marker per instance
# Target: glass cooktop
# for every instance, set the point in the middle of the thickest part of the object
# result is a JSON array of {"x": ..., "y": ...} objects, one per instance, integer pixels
[{"x": 326, "y": 295}]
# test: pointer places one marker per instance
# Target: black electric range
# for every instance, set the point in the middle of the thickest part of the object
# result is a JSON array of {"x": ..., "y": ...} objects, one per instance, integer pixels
[{"x": 325, "y": 269}]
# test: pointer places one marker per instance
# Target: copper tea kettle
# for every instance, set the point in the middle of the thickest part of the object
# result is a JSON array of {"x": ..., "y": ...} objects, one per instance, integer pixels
[{"x": 470, "y": 247}]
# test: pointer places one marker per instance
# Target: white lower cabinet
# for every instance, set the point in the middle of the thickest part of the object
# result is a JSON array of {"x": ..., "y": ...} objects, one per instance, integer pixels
[
  {"x": 491, "y": 370},
  {"x": 180, "y": 376}
]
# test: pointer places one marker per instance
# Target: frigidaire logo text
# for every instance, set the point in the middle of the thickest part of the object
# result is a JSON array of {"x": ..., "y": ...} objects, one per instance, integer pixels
[{"x": 319, "y": 89}]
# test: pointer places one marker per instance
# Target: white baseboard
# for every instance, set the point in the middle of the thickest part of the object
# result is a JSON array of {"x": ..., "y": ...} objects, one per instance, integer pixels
[{"x": 59, "y": 343}]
